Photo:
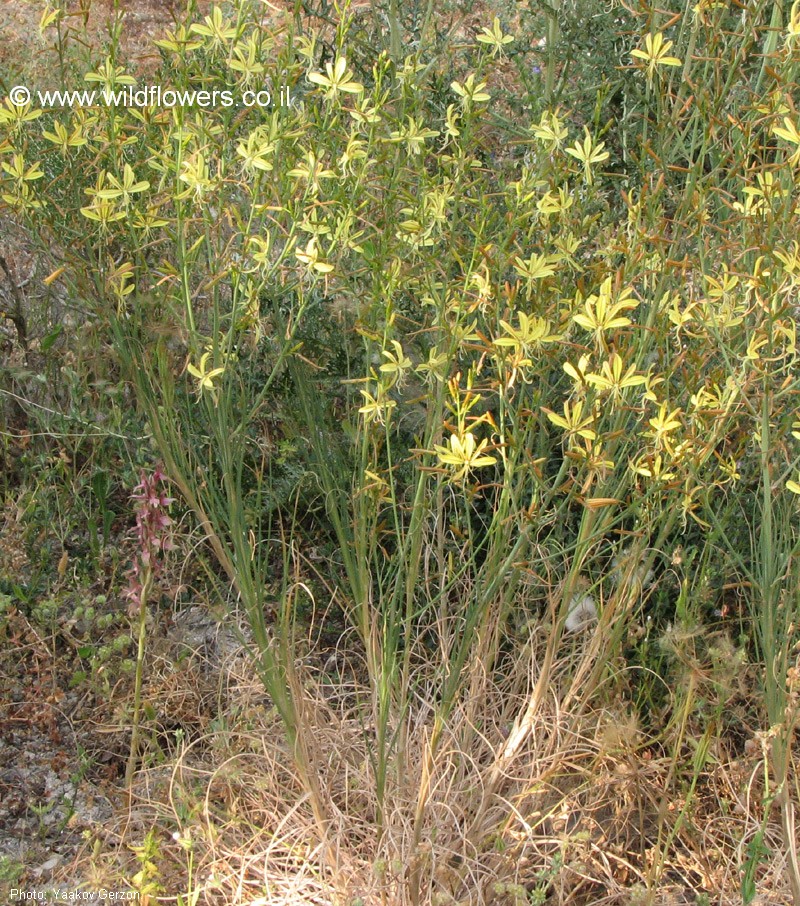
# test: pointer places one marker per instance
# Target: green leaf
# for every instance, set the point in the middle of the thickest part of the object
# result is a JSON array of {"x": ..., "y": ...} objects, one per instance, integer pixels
[{"x": 54, "y": 334}]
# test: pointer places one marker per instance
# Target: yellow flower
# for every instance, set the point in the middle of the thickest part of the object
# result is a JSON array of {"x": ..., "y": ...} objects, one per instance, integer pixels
[
  {"x": 205, "y": 379},
  {"x": 102, "y": 211},
  {"x": 600, "y": 315},
  {"x": 470, "y": 92},
  {"x": 495, "y": 38},
  {"x": 756, "y": 342},
  {"x": 196, "y": 175},
  {"x": 246, "y": 60},
  {"x": 720, "y": 289},
  {"x": 588, "y": 154},
  {"x": 613, "y": 380},
  {"x": 397, "y": 363},
  {"x": 663, "y": 425},
  {"x": 451, "y": 127},
  {"x": 178, "y": 41},
  {"x": 219, "y": 30},
  {"x": 436, "y": 367},
  {"x": 537, "y": 267},
  {"x": 64, "y": 139},
  {"x": 49, "y": 16},
  {"x": 311, "y": 258},
  {"x": 338, "y": 79},
  {"x": 311, "y": 170},
  {"x": 376, "y": 407},
  {"x": 550, "y": 131},
  {"x": 701, "y": 9},
  {"x": 414, "y": 135},
  {"x": 14, "y": 115},
  {"x": 572, "y": 421},
  {"x": 577, "y": 372},
  {"x": 125, "y": 187},
  {"x": 256, "y": 152},
  {"x": 729, "y": 468},
  {"x": 793, "y": 26},
  {"x": 652, "y": 467},
  {"x": 20, "y": 172},
  {"x": 655, "y": 54},
  {"x": 555, "y": 202},
  {"x": 464, "y": 454},
  {"x": 109, "y": 76},
  {"x": 790, "y": 259},
  {"x": 790, "y": 133},
  {"x": 531, "y": 333}
]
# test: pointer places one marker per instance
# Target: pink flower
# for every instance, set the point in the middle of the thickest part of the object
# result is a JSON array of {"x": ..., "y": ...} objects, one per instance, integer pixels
[{"x": 152, "y": 533}]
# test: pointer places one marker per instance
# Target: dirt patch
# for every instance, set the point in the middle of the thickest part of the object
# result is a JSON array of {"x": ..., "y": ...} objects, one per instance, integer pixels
[
  {"x": 65, "y": 737},
  {"x": 26, "y": 53},
  {"x": 48, "y": 795}
]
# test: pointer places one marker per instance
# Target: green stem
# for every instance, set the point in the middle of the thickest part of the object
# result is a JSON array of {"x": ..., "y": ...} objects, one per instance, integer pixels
[
  {"x": 553, "y": 35},
  {"x": 137, "y": 691}
]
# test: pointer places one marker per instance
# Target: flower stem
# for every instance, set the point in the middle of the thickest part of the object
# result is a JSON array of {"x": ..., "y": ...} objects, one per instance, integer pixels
[{"x": 137, "y": 692}]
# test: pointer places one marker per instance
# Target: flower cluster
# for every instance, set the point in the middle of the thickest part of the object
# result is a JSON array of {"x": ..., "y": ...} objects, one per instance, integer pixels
[{"x": 152, "y": 534}]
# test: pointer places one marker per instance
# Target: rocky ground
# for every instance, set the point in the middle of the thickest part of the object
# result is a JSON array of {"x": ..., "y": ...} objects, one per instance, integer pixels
[{"x": 64, "y": 736}]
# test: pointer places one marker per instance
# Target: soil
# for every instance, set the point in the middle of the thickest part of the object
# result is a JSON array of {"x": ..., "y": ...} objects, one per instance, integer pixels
[
  {"x": 19, "y": 27},
  {"x": 48, "y": 796},
  {"x": 65, "y": 731}
]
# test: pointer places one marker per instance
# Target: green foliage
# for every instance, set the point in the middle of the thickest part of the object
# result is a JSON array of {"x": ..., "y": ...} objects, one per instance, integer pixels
[
  {"x": 10, "y": 870},
  {"x": 146, "y": 880}
]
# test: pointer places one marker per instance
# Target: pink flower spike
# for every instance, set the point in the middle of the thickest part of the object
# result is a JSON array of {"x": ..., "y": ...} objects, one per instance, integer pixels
[{"x": 151, "y": 532}]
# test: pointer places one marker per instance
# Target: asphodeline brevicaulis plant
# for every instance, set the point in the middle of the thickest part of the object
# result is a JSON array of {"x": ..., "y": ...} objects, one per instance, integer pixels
[{"x": 538, "y": 380}]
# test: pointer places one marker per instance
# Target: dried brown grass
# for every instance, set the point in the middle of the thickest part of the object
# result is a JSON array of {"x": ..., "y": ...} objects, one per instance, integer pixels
[{"x": 584, "y": 811}]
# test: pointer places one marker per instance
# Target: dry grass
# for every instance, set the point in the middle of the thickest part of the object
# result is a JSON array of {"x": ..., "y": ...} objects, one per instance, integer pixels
[{"x": 589, "y": 809}]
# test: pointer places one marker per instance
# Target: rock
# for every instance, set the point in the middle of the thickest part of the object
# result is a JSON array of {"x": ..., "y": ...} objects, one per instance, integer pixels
[{"x": 49, "y": 865}]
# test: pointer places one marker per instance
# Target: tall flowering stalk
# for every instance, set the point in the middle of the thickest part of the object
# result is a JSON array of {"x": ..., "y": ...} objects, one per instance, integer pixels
[{"x": 153, "y": 537}]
